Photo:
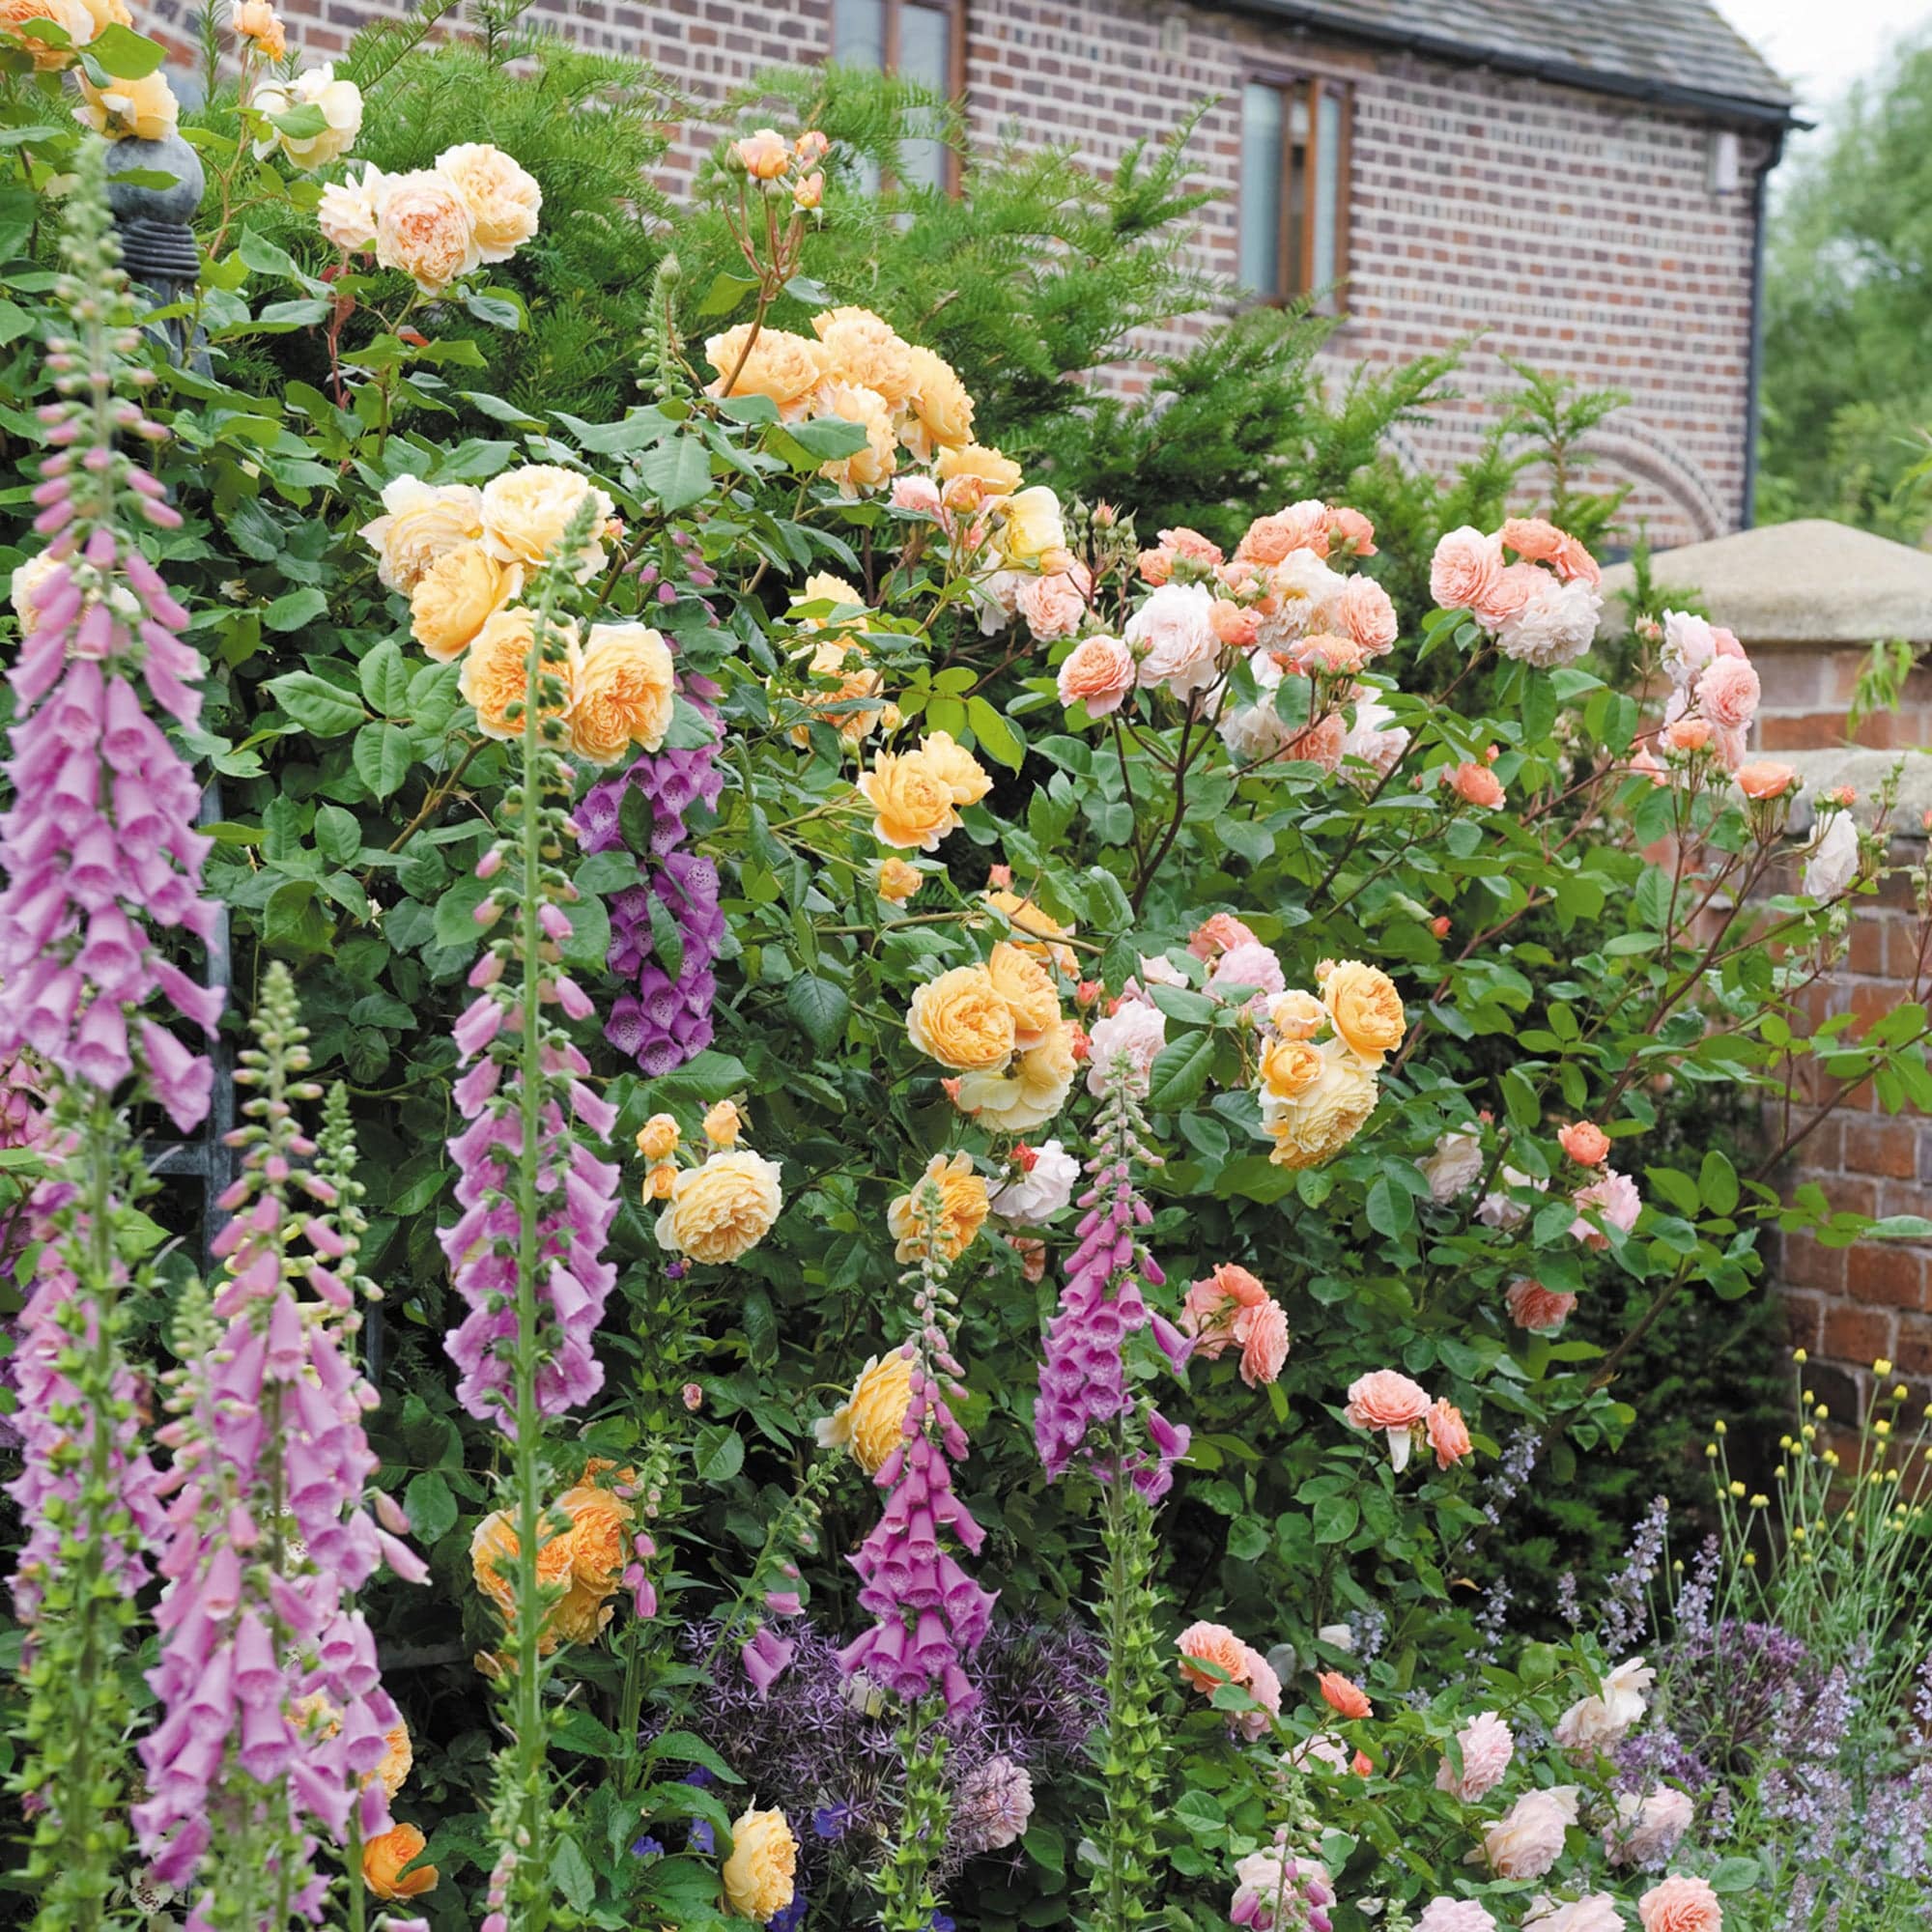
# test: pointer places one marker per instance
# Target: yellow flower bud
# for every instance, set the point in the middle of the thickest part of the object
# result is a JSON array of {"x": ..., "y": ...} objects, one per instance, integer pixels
[
  {"x": 1798, "y": 1356},
  {"x": 1717, "y": 1427},
  {"x": 1737, "y": 1489},
  {"x": 1882, "y": 1367}
]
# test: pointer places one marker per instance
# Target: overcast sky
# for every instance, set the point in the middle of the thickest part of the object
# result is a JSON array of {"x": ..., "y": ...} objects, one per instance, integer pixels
[{"x": 1821, "y": 49}]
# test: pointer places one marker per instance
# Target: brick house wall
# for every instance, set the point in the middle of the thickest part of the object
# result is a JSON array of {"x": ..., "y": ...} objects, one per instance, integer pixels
[{"x": 1574, "y": 231}]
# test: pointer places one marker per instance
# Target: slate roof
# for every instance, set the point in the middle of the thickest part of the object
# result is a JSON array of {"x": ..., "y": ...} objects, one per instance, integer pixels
[{"x": 1680, "y": 49}]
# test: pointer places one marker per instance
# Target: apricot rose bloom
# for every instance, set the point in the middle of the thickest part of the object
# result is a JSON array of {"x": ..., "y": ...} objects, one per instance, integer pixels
[
  {"x": 1765, "y": 779},
  {"x": 998, "y": 475},
  {"x": 456, "y": 595},
  {"x": 1098, "y": 672},
  {"x": 1343, "y": 1695},
  {"x": 723, "y": 1209},
  {"x": 1290, "y": 1067},
  {"x": 961, "y": 1020},
  {"x": 623, "y": 700},
  {"x": 496, "y": 671},
  {"x": 525, "y": 512},
  {"x": 1316, "y": 1124},
  {"x": 955, "y": 767},
  {"x": 141, "y": 111},
  {"x": 1467, "y": 570},
  {"x": 912, "y": 803},
  {"x": 1028, "y": 989},
  {"x": 424, "y": 227},
  {"x": 420, "y": 523},
  {"x": 724, "y": 1124},
  {"x": 1032, "y": 524},
  {"x": 1212, "y": 1644},
  {"x": 1030, "y": 1092},
  {"x": 764, "y": 156},
  {"x": 866, "y": 350},
  {"x": 1539, "y": 1309},
  {"x": 963, "y": 1207},
  {"x": 758, "y": 1875},
  {"x": 256, "y": 21},
  {"x": 897, "y": 881},
  {"x": 1364, "y": 1007},
  {"x": 383, "y": 1859},
  {"x": 940, "y": 411},
  {"x": 870, "y": 1422},
  {"x": 1387, "y": 1402},
  {"x": 1681, "y": 1904},
  {"x": 659, "y": 1137},
  {"x": 1477, "y": 784},
  {"x": 503, "y": 198},
  {"x": 1529, "y": 1839},
  {"x": 68, "y": 15},
  {"x": 782, "y": 366},
  {"x": 1585, "y": 1143},
  {"x": 1296, "y": 1015},
  {"x": 1448, "y": 1434}
]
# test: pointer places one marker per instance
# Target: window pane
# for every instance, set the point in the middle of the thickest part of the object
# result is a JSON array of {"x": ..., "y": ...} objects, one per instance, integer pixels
[
  {"x": 858, "y": 32},
  {"x": 926, "y": 55},
  {"x": 1261, "y": 189},
  {"x": 1329, "y": 187},
  {"x": 1294, "y": 242}
]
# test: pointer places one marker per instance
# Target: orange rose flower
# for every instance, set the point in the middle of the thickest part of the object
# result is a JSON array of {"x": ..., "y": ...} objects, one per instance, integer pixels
[
  {"x": 1765, "y": 780},
  {"x": 622, "y": 700},
  {"x": 1340, "y": 1694},
  {"x": 383, "y": 1860},
  {"x": 1585, "y": 1143},
  {"x": 1211, "y": 1644}
]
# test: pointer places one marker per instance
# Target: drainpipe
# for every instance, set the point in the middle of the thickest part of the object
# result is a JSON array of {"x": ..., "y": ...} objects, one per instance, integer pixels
[{"x": 1755, "y": 362}]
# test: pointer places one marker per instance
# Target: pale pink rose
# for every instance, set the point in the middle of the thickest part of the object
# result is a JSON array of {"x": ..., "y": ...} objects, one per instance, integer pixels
[
  {"x": 1834, "y": 858},
  {"x": 1173, "y": 634},
  {"x": 1574, "y": 563},
  {"x": 1645, "y": 762},
  {"x": 1467, "y": 570},
  {"x": 1213, "y": 1305},
  {"x": 1448, "y": 1433},
  {"x": 1487, "y": 1748},
  {"x": 1375, "y": 739},
  {"x": 1455, "y": 1914},
  {"x": 1056, "y": 606},
  {"x": 1098, "y": 672},
  {"x": 1302, "y": 526},
  {"x": 1250, "y": 964},
  {"x": 1321, "y": 1748},
  {"x": 1321, "y": 744},
  {"x": 1324, "y": 655},
  {"x": 1477, "y": 784},
  {"x": 1388, "y": 1402},
  {"x": 1555, "y": 624},
  {"x": 1368, "y": 614},
  {"x": 1615, "y": 1199},
  {"x": 1529, "y": 1839},
  {"x": 1689, "y": 645},
  {"x": 1597, "y": 1912},
  {"x": 915, "y": 492},
  {"x": 1681, "y": 1904},
  {"x": 1453, "y": 1164},
  {"x": 1214, "y": 1644},
  {"x": 1647, "y": 1828},
  {"x": 1134, "y": 1034},
  {"x": 1539, "y": 1309},
  {"x": 1765, "y": 780},
  {"x": 1515, "y": 586},
  {"x": 1349, "y": 533},
  {"x": 1235, "y": 627},
  {"x": 1728, "y": 692},
  {"x": 1219, "y": 932},
  {"x": 1593, "y": 1725},
  {"x": 1501, "y": 1208},
  {"x": 1728, "y": 742},
  {"x": 1265, "y": 1688},
  {"x": 1263, "y": 1333},
  {"x": 1192, "y": 545},
  {"x": 1726, "y": 641},
  {"x": 1534, "y": 539}
]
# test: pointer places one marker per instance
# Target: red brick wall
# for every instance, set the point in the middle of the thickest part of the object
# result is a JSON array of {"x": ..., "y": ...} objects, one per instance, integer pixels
[{"x": 1570, "y": 230}]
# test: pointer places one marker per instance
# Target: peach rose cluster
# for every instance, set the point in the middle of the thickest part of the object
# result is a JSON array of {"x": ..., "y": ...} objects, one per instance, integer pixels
[
  {"x": 581, "y": 1557},
  {"x": 1535, "y": 588},
  {"x": 439, "y": 224},
  {"x": 1714, "y": 696},
  {"x": 916, "y": 796},
  {"x": 1316, "y": 1075},
  {"x": 1231, "y": 1309},
  {"x": 998, "y": 1025},
  {"x": 722, "y": 1209},
  {"x": 782, "y": 169},
  {"x": 854, "y": 367},
  {"x": 77, "y": 22},
  {"x": 1388, "y": 1404},
  {"x": 1213, "y": 1655}
]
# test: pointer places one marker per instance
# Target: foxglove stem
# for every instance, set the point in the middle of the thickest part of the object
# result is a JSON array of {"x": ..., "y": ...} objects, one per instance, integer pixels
[{"x": 907, "y": 1900}]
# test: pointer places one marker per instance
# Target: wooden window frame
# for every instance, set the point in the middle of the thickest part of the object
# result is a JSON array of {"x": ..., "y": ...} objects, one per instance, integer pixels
[
  {"x": 1312, "y": 87},
  {"x": 955, "y": 54}
]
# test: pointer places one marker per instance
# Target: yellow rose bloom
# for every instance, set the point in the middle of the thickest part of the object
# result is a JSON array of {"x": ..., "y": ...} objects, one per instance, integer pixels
[
  {"x": 956, "y": 767},
  {"x": 1032, "y": 524},
  {"x": 870, "y": 1422},
  {"x": 420, "y": 522},
  {"x": 1290, "y": 1067},
  {"x": 659, "y": 1137},
  {"x": 525, "y": 512},
  {"x": 1029, "y": 991},
  {"x": 723, "y": 1123},
  {"x": 785, "y": 367},
  {"x": 503, "y": 198},
  {"x": 659, "y": 1182},
  {"x": 392, "y": 1768},
  {"x": 578, "y": 1616},
  {"x": 897, "y": 881},
  {"x": 912, "y": 803},
  {"x": 1029, "y": 1092},
  {"x": 871, "y": 466},
  {"x": 1000, "y": 475},
  {"x": 963, "y": 1211},
  {"x": 496, "y": 668},
  {"x": 962, "y": 1020},
  {"x": 74, "y": 19},
  {"x": 383, "y": 1860},
  {"x": 941, "y": 411},
  {"x": 846, "y": 704},
  {"x": 1296, "y": 1015},
  {"x": 493, "y": 1562},
  {"x": 864, "y": 350},
  {"x": 1023, "y": 916},
  {"x": 599, "y": 1525},
  {"x": 458, "y": 594},
  {"x": 722, "y": 1209},
  {"x": 623, "y": 698},
  {"x": 1366, "y": 1008},
  {"x": 105, "y": 14},
  {"x": 1321, "y": 1122},
  {"x": 758, "y": 1875},
  {"x": 144, "y": 109},
  {"x": 423, "y": 227}
]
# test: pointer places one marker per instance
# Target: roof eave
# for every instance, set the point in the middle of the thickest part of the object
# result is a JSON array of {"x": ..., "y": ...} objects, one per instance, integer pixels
[{"x": 1753, "y": 111}]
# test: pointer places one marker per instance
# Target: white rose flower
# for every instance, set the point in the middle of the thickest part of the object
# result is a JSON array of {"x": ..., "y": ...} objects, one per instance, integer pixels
[
  {"x": 1834, "y": 863},
  {"x": 1689, "y": 645},
  {"x": 1455, "y": 1165},
  {"x": 1593, "y": 1725},
  {"x": 1134, "y": 1032},
  {"x": 1173, "y": 636},
  {"x": 1556, "y": 624},
  {"x": 347, "y": 212},
  {"x": 1040, "y": 1193},
  {"x": 341, "y": 105}
]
